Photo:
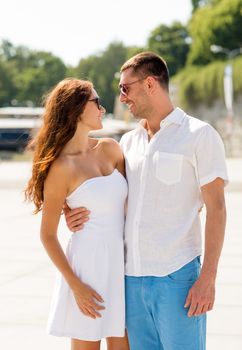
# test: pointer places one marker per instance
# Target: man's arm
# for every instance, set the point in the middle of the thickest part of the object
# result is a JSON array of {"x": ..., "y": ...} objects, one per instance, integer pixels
[{"x": 201, "y": 296}]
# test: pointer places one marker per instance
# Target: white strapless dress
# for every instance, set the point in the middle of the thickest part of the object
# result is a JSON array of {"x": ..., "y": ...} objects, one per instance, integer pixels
[{"x": 96, "y": 255}]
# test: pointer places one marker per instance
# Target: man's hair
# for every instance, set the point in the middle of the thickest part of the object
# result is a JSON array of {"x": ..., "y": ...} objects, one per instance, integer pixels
[{"x": 148, "y": 63}]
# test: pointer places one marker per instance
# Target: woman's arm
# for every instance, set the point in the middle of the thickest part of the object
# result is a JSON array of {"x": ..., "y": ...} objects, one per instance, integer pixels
[{"x": 55, "y": 192}]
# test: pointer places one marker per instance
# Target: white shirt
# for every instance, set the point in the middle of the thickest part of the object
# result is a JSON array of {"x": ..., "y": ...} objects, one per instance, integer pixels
[{"x": 162, "y": 231}]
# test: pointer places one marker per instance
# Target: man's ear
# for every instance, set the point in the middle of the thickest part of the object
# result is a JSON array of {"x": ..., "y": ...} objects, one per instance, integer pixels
[{"x": 151, "y": 83}]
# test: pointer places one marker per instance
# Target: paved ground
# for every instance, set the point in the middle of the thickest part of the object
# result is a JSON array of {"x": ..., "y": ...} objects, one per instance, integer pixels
[{"x": 27, "y": 277}]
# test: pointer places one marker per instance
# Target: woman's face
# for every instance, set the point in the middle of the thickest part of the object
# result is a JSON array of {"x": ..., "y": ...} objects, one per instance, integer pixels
[{"x": 93, "y": 112}]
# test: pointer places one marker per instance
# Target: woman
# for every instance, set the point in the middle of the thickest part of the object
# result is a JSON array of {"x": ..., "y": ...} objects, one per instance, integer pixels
[{"x": 88, "y": 303}]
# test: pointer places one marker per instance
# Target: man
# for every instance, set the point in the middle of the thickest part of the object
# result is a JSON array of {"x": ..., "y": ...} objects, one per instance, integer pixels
[{"x": 174, "y": 164}]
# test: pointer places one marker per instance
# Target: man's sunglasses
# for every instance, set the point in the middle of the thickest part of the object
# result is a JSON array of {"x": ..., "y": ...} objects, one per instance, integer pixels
[
  {"x": 97, "y": 101},
  {"x": 124, "y": 88}
]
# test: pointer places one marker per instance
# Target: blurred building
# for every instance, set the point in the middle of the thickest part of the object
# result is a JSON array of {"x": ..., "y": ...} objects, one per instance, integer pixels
[{"x": 19, "y": 124}]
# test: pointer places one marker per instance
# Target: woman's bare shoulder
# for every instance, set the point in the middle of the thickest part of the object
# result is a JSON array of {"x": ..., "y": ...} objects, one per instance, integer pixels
[
  {"x": 114, "y": 152},
  {"x": 60, "y": 172},
  {"x": 110, "y": 144}
]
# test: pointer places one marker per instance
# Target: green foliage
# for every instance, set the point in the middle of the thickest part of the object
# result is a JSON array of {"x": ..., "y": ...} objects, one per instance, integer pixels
[
  {"x": 25, "y": 75},
  {"x": 220, "y": 24},
  {"x": 29, "y": 74},
  {"x": 171, "y": 43},
  {"x": 7, "y": 50},
  {"x": 203, "y": 85},
  {"x": 196, "y": 4},
  {"x": 237, "y": 81},
  {"x": 134, "y": 50},
  {"x": 101, "y": 69},
  {"x": 7, "y": 84},
  {"x": 42, "y": 73}
]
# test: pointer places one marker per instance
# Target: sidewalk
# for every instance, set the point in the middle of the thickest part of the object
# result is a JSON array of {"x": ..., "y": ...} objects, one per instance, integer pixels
[{"x": 27, "y": 276}]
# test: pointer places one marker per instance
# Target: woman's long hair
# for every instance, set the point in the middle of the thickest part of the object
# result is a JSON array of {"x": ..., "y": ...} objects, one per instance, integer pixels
[{"x": 63, "y": 108}]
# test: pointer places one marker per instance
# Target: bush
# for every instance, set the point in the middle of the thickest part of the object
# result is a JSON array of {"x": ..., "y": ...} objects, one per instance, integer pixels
[{"x": 205, "y": 84}]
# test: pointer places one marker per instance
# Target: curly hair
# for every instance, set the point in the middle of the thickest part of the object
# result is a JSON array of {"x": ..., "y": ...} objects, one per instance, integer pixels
[{"x": 63, "y": 108}]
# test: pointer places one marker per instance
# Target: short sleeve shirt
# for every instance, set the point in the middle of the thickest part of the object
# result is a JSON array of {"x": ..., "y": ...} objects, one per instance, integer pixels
[{"x": 165, "y": 176}]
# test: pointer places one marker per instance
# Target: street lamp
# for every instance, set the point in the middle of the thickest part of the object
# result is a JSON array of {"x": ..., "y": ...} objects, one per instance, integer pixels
[
  {"x": 228, "y": 82},
  {"x": 229, "y": 53}
]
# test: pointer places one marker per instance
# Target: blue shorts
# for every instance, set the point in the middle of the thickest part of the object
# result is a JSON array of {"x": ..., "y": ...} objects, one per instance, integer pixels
[{"x": 155, "y": 315}]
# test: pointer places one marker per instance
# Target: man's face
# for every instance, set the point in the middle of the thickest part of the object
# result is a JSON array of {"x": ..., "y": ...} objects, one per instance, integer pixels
[{"x": 132, "y": 93}]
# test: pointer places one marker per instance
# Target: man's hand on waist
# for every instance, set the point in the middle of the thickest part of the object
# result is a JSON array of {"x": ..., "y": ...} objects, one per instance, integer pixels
[{"x": 76, "y": 218}]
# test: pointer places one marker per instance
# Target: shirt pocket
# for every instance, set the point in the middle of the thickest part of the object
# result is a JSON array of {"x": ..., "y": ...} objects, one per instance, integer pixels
[{"x": 168, "y": 167}]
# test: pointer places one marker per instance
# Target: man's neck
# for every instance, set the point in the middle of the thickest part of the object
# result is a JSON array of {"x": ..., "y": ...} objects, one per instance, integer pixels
[{"x": 152, "y": 124}]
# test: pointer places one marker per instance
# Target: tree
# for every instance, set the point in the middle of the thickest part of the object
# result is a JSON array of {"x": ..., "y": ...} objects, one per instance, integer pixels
[
  {"x": 220, "y": 24},
  {"x": 172, "y": 43},
  {"x": 196, "y": 4},
  {"x": 7, "y": 86},
  {"x": 26, "y": 74},
  {"x": 101, "y": 69},
  {"x": 7, "y": 50},
  {"x": 42, "y": 72}
]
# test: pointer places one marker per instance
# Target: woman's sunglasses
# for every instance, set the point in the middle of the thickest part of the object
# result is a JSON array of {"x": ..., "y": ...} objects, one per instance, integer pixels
[{"x": 97, "y": 101}]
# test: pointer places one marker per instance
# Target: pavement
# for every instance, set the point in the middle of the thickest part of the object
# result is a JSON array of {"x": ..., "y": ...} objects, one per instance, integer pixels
[{"x": 27, "y": 276}]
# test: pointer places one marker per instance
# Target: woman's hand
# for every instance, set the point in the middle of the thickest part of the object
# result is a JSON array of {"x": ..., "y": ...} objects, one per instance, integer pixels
[{"x": 86, "y": 298}]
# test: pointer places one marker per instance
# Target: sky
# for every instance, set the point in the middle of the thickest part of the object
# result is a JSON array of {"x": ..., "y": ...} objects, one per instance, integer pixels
[{"x": 75, "y": 29}]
